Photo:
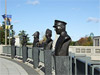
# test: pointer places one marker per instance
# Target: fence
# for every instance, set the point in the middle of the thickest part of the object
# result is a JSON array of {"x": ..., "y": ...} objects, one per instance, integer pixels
[
  {"x": 78, "y": 63},
  {"x": 90, "y": 51}
]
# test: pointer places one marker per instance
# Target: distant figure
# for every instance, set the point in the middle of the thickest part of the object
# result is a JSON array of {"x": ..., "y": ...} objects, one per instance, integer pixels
[
  {"x": 36, "y": 39},
  {"x": 24, "y": 42},
  {"x": 49, "y": 41},
  {"x": 62, "y": 44},
  {"x": 13, "y": 41}
]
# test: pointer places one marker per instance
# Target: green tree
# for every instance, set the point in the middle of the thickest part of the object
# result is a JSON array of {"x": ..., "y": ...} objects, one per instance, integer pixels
[
  {"x": 73, "y": 43},
  {"x": 2, "y": 35},
  {"x": 21, "y": 33}
]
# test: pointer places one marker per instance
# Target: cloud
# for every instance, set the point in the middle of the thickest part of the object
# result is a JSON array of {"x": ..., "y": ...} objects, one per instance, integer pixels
[
  {"x": 16, "y": 21},
  {"x": 0, "y": 24},
  {"x": 92, "y": 19},
  {"x": 35, "y": 2}
]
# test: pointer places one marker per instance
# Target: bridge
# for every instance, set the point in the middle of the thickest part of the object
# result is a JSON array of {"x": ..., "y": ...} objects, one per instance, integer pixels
[{"x": 83, "y": 60}]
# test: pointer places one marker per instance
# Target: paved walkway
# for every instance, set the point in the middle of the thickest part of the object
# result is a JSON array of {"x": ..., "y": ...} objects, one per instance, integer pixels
[{"x": 8, "y": 67}]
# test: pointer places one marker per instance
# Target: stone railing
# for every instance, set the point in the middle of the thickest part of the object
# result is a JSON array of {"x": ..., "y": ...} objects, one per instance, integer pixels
[
  {"x": 79, "y": 60},
  {"x": 91, "y": 51}
]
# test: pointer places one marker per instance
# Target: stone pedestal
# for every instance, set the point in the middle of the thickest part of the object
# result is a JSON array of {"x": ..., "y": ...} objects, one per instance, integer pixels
[
  {"x": 48, "y": 62},
  {"x": 13, "y": 51},
  {"x": 62, "y": 65},
  {"x": 24, "y": 53},
  {"x": 35, "y": 56}
]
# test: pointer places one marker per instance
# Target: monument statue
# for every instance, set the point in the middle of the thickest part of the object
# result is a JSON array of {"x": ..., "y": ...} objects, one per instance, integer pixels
[
  {"x": 13, "y": 48},
  {"x": 24, "y": 48},
  {"x": 13, "y": 41},
  {"x": 24, "y": 42},
  {"x": 49, "y": 41},
  {"x": 62, "y": 44},
  {"x": 36, "y": 39}
]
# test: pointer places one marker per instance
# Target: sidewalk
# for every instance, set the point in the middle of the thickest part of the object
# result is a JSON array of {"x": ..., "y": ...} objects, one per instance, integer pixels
[{"x": 8, "y": 67}]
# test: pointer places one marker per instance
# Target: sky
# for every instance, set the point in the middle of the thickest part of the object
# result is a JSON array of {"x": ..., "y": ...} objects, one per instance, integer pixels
[{"x": 82, "y": 16}]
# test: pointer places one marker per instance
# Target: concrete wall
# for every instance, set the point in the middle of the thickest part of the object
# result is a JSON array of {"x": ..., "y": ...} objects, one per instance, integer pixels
[
  {"x": 1, "y": 49},
  {"x": 94, "y": 40},
  {"x": 90, "y": 51}
]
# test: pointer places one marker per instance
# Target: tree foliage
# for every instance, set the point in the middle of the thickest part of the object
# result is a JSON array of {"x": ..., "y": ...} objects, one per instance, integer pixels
[
  {"x": 2, "y": 35},
  {"x": 21, "y": 33},
  {"x": 84, "y": 41}
]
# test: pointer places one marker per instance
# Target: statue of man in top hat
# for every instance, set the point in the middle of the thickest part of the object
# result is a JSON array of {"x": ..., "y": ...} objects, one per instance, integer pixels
[
  {"x": 62, "y": 44},
  {"x": 36, "y": 39},
  {"x": 49, "y": 41}
]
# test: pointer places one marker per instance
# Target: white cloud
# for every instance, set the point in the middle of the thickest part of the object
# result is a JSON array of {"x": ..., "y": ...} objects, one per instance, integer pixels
[
  {"x": 16, "y": 21},
  {"x": 92, "y": 19},
  {"x": 35, "y": 2}
]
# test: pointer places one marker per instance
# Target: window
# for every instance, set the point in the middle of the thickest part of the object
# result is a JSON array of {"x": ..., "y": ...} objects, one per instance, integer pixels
[{"x": 96, "y": 42}]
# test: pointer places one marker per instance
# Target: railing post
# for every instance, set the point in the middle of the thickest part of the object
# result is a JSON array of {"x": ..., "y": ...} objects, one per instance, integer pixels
[
  {"x": 70, "y": 65},
  {"x": 13, "y": 51},
  {"x": 75, "y": 65},
  {"x": 62, "y": 65},
  {"x": 24, "y": 53},
  {"x": 48, "y": 62},
  {"x": 86, "y": 67},
  {"x": 35, "y": 56}
]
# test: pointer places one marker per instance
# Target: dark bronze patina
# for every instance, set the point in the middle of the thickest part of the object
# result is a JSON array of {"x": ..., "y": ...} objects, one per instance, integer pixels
[
  {"x": 13, "y": 41},
  {"x": 49, "y": 41},
  {"x": 36, "y": 39},
  {"x": 24, "y": 42},
  {"x": 62, "y": 44}
]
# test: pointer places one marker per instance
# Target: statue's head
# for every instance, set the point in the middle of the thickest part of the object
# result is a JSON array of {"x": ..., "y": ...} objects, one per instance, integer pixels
[
  {"x": 36, "y": 34},
  {"x": 59, "y": 26},
  {"x": 48, "y": 33}
]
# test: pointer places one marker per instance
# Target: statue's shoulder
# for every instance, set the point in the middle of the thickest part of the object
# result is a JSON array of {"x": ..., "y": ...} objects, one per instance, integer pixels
[{"x": 65, "y": 36}]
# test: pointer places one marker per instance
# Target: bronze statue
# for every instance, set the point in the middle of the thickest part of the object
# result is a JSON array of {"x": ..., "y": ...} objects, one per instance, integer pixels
[
  {"x": 24, "y": 42},
  {"x": 62, "y": 44},
  {"x": 13, "y": 41},
  {"x": 49, "y": 41},
  {"x": 36, "y": 39}
]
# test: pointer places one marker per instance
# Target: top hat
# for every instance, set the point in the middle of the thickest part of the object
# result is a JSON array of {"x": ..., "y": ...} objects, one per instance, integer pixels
[{"x": 59, "y": 23}]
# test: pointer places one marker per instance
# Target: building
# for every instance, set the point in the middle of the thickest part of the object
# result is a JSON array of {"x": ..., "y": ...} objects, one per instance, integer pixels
[
  {"x": 17, "y": 41},
  {"x": 96, "y": 41}
]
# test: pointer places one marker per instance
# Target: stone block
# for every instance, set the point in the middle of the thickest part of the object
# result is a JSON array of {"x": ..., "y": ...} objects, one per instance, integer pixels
[
  {"x": 48, "y": 62},
  {"x": 62, "y": 65}
]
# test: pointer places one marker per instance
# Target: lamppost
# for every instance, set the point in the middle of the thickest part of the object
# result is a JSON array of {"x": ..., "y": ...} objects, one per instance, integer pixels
[
  {"x": 5, "y": 22},
  {"x": 0, "y": 36}
]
